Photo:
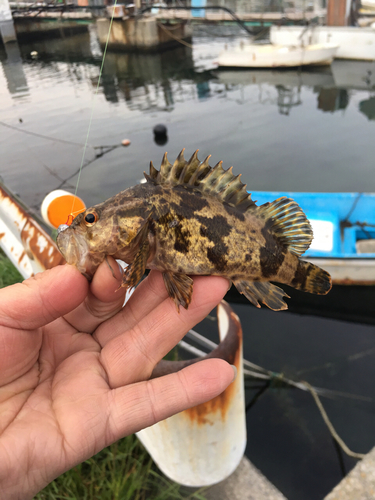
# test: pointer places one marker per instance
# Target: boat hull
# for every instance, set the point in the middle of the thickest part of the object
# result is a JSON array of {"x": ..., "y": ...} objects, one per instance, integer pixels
[
  {"x": 348, "y": 271},
  {"x": 277, "y": 56},
  {"x": 353, "y": 42}
]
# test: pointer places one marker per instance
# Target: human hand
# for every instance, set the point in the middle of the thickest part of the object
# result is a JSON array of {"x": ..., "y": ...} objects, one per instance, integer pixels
[{"x": 74, "y": 368}]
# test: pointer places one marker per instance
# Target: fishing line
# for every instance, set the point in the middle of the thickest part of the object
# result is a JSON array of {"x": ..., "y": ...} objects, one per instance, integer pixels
[
  {"x": 93, "y": 104},
  {"x": 35, "y": 134}
]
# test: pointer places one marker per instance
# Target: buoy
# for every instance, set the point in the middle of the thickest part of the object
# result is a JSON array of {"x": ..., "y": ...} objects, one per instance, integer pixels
[
  {"x": 160, "y": 134},
  {"x": 58, "y": 205},
  {"x": 125, "y": 142}
]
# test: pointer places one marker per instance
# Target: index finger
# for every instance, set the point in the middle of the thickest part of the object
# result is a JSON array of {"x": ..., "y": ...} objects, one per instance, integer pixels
[{"x": 104, "y": 299}]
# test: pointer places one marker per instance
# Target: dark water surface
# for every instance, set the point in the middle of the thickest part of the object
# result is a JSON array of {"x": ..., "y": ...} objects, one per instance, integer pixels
[{"x": 289, "y": 130}]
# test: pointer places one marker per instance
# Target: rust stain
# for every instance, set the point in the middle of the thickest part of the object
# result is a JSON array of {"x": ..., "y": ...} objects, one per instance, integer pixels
[
  {"x": 21, "y": 256},
  {"x": 37, "y": 242},
  {"x": 351, "y": 282},
  {"x": 204, "y": 414}
]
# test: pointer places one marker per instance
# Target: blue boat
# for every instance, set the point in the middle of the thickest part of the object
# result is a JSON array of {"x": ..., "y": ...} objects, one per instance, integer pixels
[{"x": 344, "y": 232}]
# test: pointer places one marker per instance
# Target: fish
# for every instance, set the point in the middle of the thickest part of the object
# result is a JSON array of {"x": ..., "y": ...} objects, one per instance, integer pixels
[{"x": 188, "y": 219}]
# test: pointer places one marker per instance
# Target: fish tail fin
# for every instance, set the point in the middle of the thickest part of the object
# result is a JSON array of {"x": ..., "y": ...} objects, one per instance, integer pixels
[{"x": 311, "y": 278}]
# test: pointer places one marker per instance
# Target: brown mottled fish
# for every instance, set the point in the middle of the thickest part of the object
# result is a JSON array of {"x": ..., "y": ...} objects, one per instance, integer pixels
[{"x": 192, "y": 219}]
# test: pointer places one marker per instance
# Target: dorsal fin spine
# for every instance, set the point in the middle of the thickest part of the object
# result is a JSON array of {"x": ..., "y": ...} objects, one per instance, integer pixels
[
  {"x": 190, "y": 168},
  {"x": 165, "y": 168},
  {"x": 198, "y": 172},
  {"x": 215, "y": 182},
  {"x": 212, "y": 177},
  {"x": 232, "y": 188},
  {"x": 153, "y": 171},
  {"x": 177, "y": 168}
]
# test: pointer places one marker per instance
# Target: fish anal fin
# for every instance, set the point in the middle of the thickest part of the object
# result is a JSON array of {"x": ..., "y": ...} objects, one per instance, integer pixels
[
  {"x": 263, "y": 291},
  {"x": 137, "y": 268},
  {"x": 179, "y": 288},
  {"x": 287, "y": 221}
]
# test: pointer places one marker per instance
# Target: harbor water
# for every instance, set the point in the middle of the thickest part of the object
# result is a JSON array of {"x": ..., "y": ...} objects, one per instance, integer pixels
[{"x": 283, "y": 130}]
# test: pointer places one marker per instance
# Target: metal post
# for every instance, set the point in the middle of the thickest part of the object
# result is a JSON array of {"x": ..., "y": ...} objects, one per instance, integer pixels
[
  {"x": 204, "y": 445},
  {"x": 7, "y": 30}
]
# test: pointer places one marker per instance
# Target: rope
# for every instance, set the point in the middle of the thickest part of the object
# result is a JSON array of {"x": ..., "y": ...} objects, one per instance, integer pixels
[
  {"x": 328, "y": 423},
  {"x": 175, "y": 37},
  {"x": 262, "y": 373}
]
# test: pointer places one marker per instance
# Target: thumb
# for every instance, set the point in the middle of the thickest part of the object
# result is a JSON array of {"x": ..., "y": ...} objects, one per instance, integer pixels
[{"x": 41, "y": 299}]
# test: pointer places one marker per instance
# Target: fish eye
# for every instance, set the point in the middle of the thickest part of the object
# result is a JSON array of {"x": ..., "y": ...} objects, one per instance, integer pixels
[{"x": 91, "y": 218}]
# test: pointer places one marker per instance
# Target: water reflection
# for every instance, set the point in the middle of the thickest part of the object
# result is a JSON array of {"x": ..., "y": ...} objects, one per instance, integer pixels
[
  {"x": 78, "y": 48},
  {"x": 333, "y": 99},
  {"x": 13, "y": 70},
  {"x": 367, "y": 107},
  {"x": 331, "y": 84},
  {"x": 355, "y": 75},
  {"x": 157, "y": 82},
  {"x": 150, "y": 82}
]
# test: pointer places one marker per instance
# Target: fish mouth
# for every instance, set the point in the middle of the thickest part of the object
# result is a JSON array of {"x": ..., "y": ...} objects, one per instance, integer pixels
[{"x": 76, "y": 252}]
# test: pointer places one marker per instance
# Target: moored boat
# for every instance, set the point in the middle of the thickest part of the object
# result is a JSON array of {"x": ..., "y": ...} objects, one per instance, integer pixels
[
  {"x": 277, "y": 56},
  {"x": 344, "y": 232},
  {"x": 353, "y": 42}
]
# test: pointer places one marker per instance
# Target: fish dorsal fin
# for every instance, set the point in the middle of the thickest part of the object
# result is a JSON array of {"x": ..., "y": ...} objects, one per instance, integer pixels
[
  {"x": 194, "y": 174},
  {"x": 288, "y": 222}
]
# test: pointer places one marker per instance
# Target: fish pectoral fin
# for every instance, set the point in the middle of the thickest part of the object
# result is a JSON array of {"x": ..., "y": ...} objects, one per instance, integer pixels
[
  {"x": 137, "y": 268},
  {"x": 179, "y": 288},
  {"x": 288, "y": 222},
  {"x": 263, "y": 291}
]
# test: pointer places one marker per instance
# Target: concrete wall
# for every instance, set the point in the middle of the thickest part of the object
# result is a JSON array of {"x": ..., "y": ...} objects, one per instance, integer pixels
[{"x": 138, "y": 34}]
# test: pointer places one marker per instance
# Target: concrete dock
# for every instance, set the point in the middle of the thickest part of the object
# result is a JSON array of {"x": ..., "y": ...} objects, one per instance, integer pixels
[
  {"x": 246, "y": 483},
  {"x": 359, "y": 484},
  {"x": 141, "y": 34}
]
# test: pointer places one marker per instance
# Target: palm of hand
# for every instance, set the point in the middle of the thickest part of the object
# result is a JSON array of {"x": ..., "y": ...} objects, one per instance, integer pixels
[{"x": 74, "y": 369}]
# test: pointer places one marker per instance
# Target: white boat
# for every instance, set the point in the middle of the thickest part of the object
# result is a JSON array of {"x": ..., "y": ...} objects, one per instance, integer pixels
[
  {"x": 367, "y": 5},
  {"x": 277, "y": 56},
  {"x": 353, "y": 42}
]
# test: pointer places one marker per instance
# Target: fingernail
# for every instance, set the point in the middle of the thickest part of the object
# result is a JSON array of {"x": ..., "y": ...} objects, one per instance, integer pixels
[
  {"x": 229, "y": 285},
  {"x": 235, "y": 372}
]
